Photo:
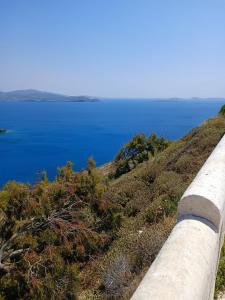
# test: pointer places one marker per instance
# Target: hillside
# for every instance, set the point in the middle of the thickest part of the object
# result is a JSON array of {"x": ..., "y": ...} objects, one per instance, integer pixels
[
  {"x": 88, "y": 235},
  {"x": 38, "y": 96},
  {"x": 148, "y": 198}
]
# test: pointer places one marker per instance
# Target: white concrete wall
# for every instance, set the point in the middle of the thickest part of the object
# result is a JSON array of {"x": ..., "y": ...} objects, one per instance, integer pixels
[
  {"x": 205, "y": 197},
  {"x": 186, "y": 266}
]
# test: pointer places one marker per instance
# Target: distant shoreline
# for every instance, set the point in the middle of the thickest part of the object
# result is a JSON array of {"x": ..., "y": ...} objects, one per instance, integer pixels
[{"x": 162, "y": 99}]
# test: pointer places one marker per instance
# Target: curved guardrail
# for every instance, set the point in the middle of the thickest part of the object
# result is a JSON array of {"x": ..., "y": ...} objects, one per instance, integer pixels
[{"x": 186, "y": 266}]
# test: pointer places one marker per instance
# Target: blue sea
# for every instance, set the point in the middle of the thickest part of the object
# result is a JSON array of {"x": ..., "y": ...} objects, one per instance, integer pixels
[{"x": 43, "y": 136}]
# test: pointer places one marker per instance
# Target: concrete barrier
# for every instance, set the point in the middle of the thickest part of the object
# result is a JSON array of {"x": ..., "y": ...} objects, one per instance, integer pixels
[
  {"x": 205, "y": 197},
  {"x": 186, "y": 266}
]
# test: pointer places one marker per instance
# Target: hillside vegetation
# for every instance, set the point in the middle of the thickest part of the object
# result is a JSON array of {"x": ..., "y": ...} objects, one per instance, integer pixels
[
  {"x": 148, "y": 197},
  {"x": 89, "y": 235}
]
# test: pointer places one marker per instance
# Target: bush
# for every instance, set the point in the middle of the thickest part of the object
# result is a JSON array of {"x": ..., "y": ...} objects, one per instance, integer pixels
[
  {"x": 139, "y": 149},
  {"x": 49, "y": 230},
  {"x": 116, "y": 276},
  {"x": 222, "y": 110}
]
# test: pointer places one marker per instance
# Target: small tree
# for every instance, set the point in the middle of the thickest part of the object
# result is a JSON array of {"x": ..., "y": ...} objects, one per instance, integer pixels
[
  {"x": 138, "y": 150},
  {"x": 91, "y": 163},
  {"x": 222, "y": 110}
]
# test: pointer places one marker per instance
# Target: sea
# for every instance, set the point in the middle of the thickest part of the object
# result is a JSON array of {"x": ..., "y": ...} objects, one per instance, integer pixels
[{"x": 44, "y": 136}]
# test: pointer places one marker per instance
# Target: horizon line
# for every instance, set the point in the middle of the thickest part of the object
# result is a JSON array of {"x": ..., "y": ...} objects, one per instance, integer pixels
[{"x": 118, "y": 97}]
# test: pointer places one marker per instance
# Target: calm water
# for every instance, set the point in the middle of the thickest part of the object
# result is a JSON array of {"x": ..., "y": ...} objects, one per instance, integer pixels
[{"x": 43, "y": 136}]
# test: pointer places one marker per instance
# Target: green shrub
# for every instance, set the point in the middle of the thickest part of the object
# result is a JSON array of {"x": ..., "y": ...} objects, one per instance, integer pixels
[
  {"x": 139, "y": 149},
  {"x": 222, "y": 110}
]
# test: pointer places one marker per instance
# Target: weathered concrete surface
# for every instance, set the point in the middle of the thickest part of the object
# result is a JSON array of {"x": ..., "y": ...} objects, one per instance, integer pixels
[
  {"x": 205, "y": 197},
  {"x": 185, "y": 267}
]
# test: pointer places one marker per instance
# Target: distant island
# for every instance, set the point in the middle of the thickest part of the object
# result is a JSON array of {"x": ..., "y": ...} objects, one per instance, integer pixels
[
  {"x": 41, "y": 96},
  {"x": 2, "y": 130}
]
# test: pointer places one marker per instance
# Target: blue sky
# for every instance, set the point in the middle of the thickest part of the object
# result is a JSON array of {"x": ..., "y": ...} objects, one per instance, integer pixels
[{"x": 114, "y": 48}]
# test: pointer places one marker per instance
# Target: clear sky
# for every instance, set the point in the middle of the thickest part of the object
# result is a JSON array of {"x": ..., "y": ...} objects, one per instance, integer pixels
[{"x": 114, "y": 48}]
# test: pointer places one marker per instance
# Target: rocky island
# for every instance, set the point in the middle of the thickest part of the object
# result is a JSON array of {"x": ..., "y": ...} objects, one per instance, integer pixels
[
  {"x": 41, "y": 96},
  {"x": 2, "y": 130}
]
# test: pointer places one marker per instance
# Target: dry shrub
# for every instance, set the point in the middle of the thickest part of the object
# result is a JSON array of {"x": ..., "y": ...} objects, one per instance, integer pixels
[
  {"x": 131, "y": 194},
  {"x": 149, "y": 171},
  {"x": 185, "y": 164},
  {"x": 149, "y": 242},
  {"x": 155, "y": 212},
  {"x": 170, "y": 183},
  {"x": 116, "y": 276}
]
